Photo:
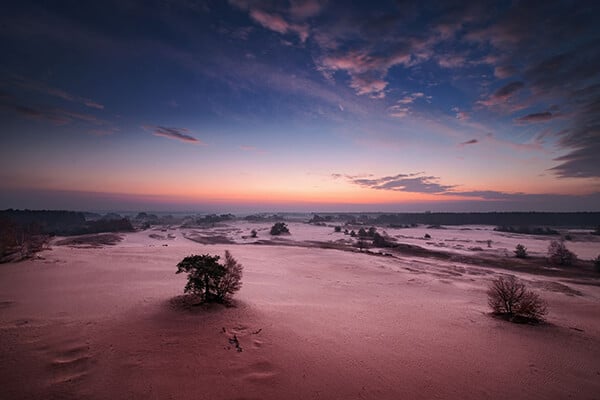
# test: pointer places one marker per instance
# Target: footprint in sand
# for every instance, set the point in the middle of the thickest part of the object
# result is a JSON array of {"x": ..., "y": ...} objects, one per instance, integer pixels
[
  {"x": 258, "y": 372},
  {"x": 70, "y": 364}
]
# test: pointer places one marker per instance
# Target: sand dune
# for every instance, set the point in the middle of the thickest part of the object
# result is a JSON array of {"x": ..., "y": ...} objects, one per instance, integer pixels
[{"x": 314, "y": 323}]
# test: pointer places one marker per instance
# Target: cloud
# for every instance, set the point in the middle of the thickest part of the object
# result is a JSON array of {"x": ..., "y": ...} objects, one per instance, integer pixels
[
  {"x": 536, "y": 117},
  {"x": 56, "y": 116},
  {"x": 421, "y": 183},
  {"x": 41, "y": 87},
  {"x": 278, "y": 24},
  {"x": 413, "y": 183},
  {"x": 565, "y": 72},
  {"x": 503, "y": 96},
  {"x": 181, "y": 134},
  {"x": 305, "y": 8},
  {"x": 398, "y": 111},
  {"x": 468, "y": 142}
]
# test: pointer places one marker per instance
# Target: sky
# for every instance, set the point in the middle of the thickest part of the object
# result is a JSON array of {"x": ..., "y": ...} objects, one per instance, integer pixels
[{"x": 300, "y": 105}]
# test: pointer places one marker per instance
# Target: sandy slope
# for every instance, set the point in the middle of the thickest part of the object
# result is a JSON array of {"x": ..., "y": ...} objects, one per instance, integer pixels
[{"x": 312, "y": 324}]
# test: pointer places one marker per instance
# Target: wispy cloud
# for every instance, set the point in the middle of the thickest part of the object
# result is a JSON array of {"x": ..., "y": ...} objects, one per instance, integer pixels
[
  {"x": 421, "y": 183},
  {"x": 41, "y": 87},
  {"x": 181, "y": 134},
  {"x": 468, "y": 142},
  {"x": 56, "y": 116},
  {"x": 536, "y": 117},
  {"x": 415, "y": 183}
]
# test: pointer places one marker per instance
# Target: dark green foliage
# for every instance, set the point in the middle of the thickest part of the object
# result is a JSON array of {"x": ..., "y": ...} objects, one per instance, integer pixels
[
  {"x": 337, "y": 229},
  {"x": 210, "y": 280},
  {"x": 253, "y": 233},
  {"x": 371, "y": 232},
  {"x": 527, "y": 230},
  {"x": 510, "y": 298},
  {"x": 521, "y": 251},
  {"x": 558, "y": 254},
  {"x": 279, "y": 228},
  {"x": 352, "y": 233},
  {"x": 427, "y": 236},
  {"x": 597, "y": 263},
  {"x": 361, "y": 244},
  {"x": 380, "y": 241},
  {"x": 362, "y": 232}
]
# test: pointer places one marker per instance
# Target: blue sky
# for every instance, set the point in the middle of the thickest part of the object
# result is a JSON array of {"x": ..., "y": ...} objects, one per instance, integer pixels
[{"x": 300, "y": 105}]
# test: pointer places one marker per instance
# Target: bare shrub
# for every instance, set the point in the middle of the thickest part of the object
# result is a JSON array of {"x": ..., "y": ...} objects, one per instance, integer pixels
[
  {"x": 558, "y": 254},
  {"x": 509, "y": 297}
]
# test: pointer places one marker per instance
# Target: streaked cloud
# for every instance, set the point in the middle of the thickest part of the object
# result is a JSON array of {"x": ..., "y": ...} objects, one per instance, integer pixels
[
  {"x": 41, "y": 87},
  {"x": 181, "y": 134},
  {"x": 536, "y": 117}
]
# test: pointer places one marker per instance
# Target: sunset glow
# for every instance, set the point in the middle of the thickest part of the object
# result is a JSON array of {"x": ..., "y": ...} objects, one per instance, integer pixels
[{"x": 301, "y": 105}]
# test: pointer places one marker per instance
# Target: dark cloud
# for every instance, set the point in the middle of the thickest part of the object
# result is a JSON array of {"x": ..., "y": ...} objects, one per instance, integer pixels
[
  {"x": 413, "y": 183},
  {"x": 536, "y": 117},
  {"x": 565, "y": 72},
  {"x": 181, "y": 134},
  {"x": 508, "y": 89},
  {"x": 472, "y": 141},
  {"x": 56, "y": 116},
  {"x": 419, "y": 183}
]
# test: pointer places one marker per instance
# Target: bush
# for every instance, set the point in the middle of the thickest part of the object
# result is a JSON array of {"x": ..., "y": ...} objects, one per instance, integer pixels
[
  {"x": 279, "y": 228},
  {"x": 210, "y": 280},
  {"x": 510, "y": 298},
  {"x": 337, "y": 229},
  {"x": 380, "y": 241},
  {"x": 558, "y": 254},
  {"x": 361, "y": 244},
  {"x": 521, "y": 251},
  {"x": 253, "y": 233},
  {"x": 427, "y": 236},
  {"x": 597, "y": 263}
]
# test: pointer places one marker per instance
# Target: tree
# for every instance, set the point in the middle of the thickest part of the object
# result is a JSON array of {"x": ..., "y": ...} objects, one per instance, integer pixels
[
  {"x": 510, "y": 298},
  {"x": 361, "y": 244},
  {"x": 362, "y": 232},
  {"x": 427, "y": 236},
  {"x": 279, "y": 228},
  {"x": 520, "y": 251},
  {"x": 379, "y": 240},
  {"x": 231, "y": 281},
  {"x": 210, "y": 280},
  {"x": 559, "y": 254},
  {"x": 597, "y": 263},
  {"x": 337, "y": 228},
  {"x": 253, "y": 233}
]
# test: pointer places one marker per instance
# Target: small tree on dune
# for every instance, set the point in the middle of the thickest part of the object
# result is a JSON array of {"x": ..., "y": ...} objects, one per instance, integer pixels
[
  {"x": 559, "y": 254},
  {"x": 510, "y": 298},
  {"x": 210, "y": 280},
  {"x": 521, "y": 251},
  {"x": 279, "y": 228}
]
